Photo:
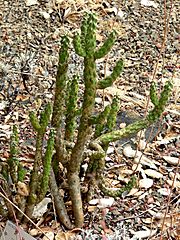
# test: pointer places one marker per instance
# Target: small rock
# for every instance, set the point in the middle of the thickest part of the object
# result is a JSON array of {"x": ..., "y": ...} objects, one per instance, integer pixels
[
  {"x": 128, "y": 151},
  {"x": 110, "y": 150},
  {"x": 98, "y": 100},
  {"x": 34, "y": 232},
  {"x": 171, "y": 160},
  {"x": 31, "y": 2},
  {"x": 49, "y": 236},
  {"x": 45, "y": 15},
  {"x": 145, "y": 183},
  {"x": 142, "y": 144},
  {"x": 164, "y": 191},
  {"x": 122, "y": 125},
  {"x": 152, "y": 173}
]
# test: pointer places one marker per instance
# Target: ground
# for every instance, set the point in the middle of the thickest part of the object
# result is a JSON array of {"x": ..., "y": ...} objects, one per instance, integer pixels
[{"x": 30, "y": 36}]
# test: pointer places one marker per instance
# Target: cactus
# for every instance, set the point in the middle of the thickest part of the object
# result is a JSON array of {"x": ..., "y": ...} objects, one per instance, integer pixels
[
  {"x": 74, "y": 130},
  {"x": 40, "y": 129},
  {"x": 85, "y": 46}
]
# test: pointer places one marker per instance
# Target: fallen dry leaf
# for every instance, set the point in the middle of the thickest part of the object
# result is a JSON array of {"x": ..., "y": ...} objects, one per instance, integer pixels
[{"x": 23, "y": 189}]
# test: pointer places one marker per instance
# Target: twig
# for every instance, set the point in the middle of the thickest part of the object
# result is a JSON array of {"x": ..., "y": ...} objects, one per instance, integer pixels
[
  {"x": 15, "y": 218},
  {"x": 2, "y": 195}
]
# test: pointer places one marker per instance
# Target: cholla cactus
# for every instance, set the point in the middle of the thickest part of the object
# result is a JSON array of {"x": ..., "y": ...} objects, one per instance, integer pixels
[
  {"x": 70, "y": 141},
  {"x": 85, "y": 46}
]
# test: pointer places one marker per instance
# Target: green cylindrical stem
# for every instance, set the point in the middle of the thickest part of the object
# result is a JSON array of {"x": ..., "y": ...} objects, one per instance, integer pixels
[
  {"x": 84, "y": 28},
  {"x": 34, "y": 121},
  {"x": 46, "y": 166},
  {"x": 139, "y": 125},
  {"x": 153, "y": 94},
  {"x": 101, "y": 121},
  {"x": 71, "y": 109},
  {"x": 5, "y": 171},
  {"x": 118, "y": 134},
  {"x": 13, "y": 161},
  {"x": 158, "y": 110},
  {"x": 165, "y": 94},
  {"x": 90, "y": 38},
  {"x": 111, "y": 120},
  {"x": 34, "y": 180},
  {"x": 78, "y": 46},
  {"x": 45, "y": 117},
  {"x": 61, "y": 80},
  {"x": 21, "y": 173},
  {"x": 106, "y": 47}
]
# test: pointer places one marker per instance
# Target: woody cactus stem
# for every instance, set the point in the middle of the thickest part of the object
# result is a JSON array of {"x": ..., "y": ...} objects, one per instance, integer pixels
[
  {"x": 40, "y": 128},
  {"x": 57, "y": 116}
]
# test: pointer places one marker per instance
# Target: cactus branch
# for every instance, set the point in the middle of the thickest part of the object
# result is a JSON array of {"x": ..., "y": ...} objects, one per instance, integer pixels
[
  {"x": 13, "y": 159},
  {"x": 106, "y": 47},
  {"x": 71, "y": 110},
  {"x": 79, "y": 49},
  {"x": 153, "y": 94},
  {"x": 61, "y": 80},
  {"x": 108, "y": 81},
  {"x": 158, "y": 109},
  {"x": 84, "y": 127},
  {"x": 34, "y": 121},
  {"x": 101, "y": 121},
  {"x": 46, "y": 166},
  {"x": 111, "y": 120}
]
